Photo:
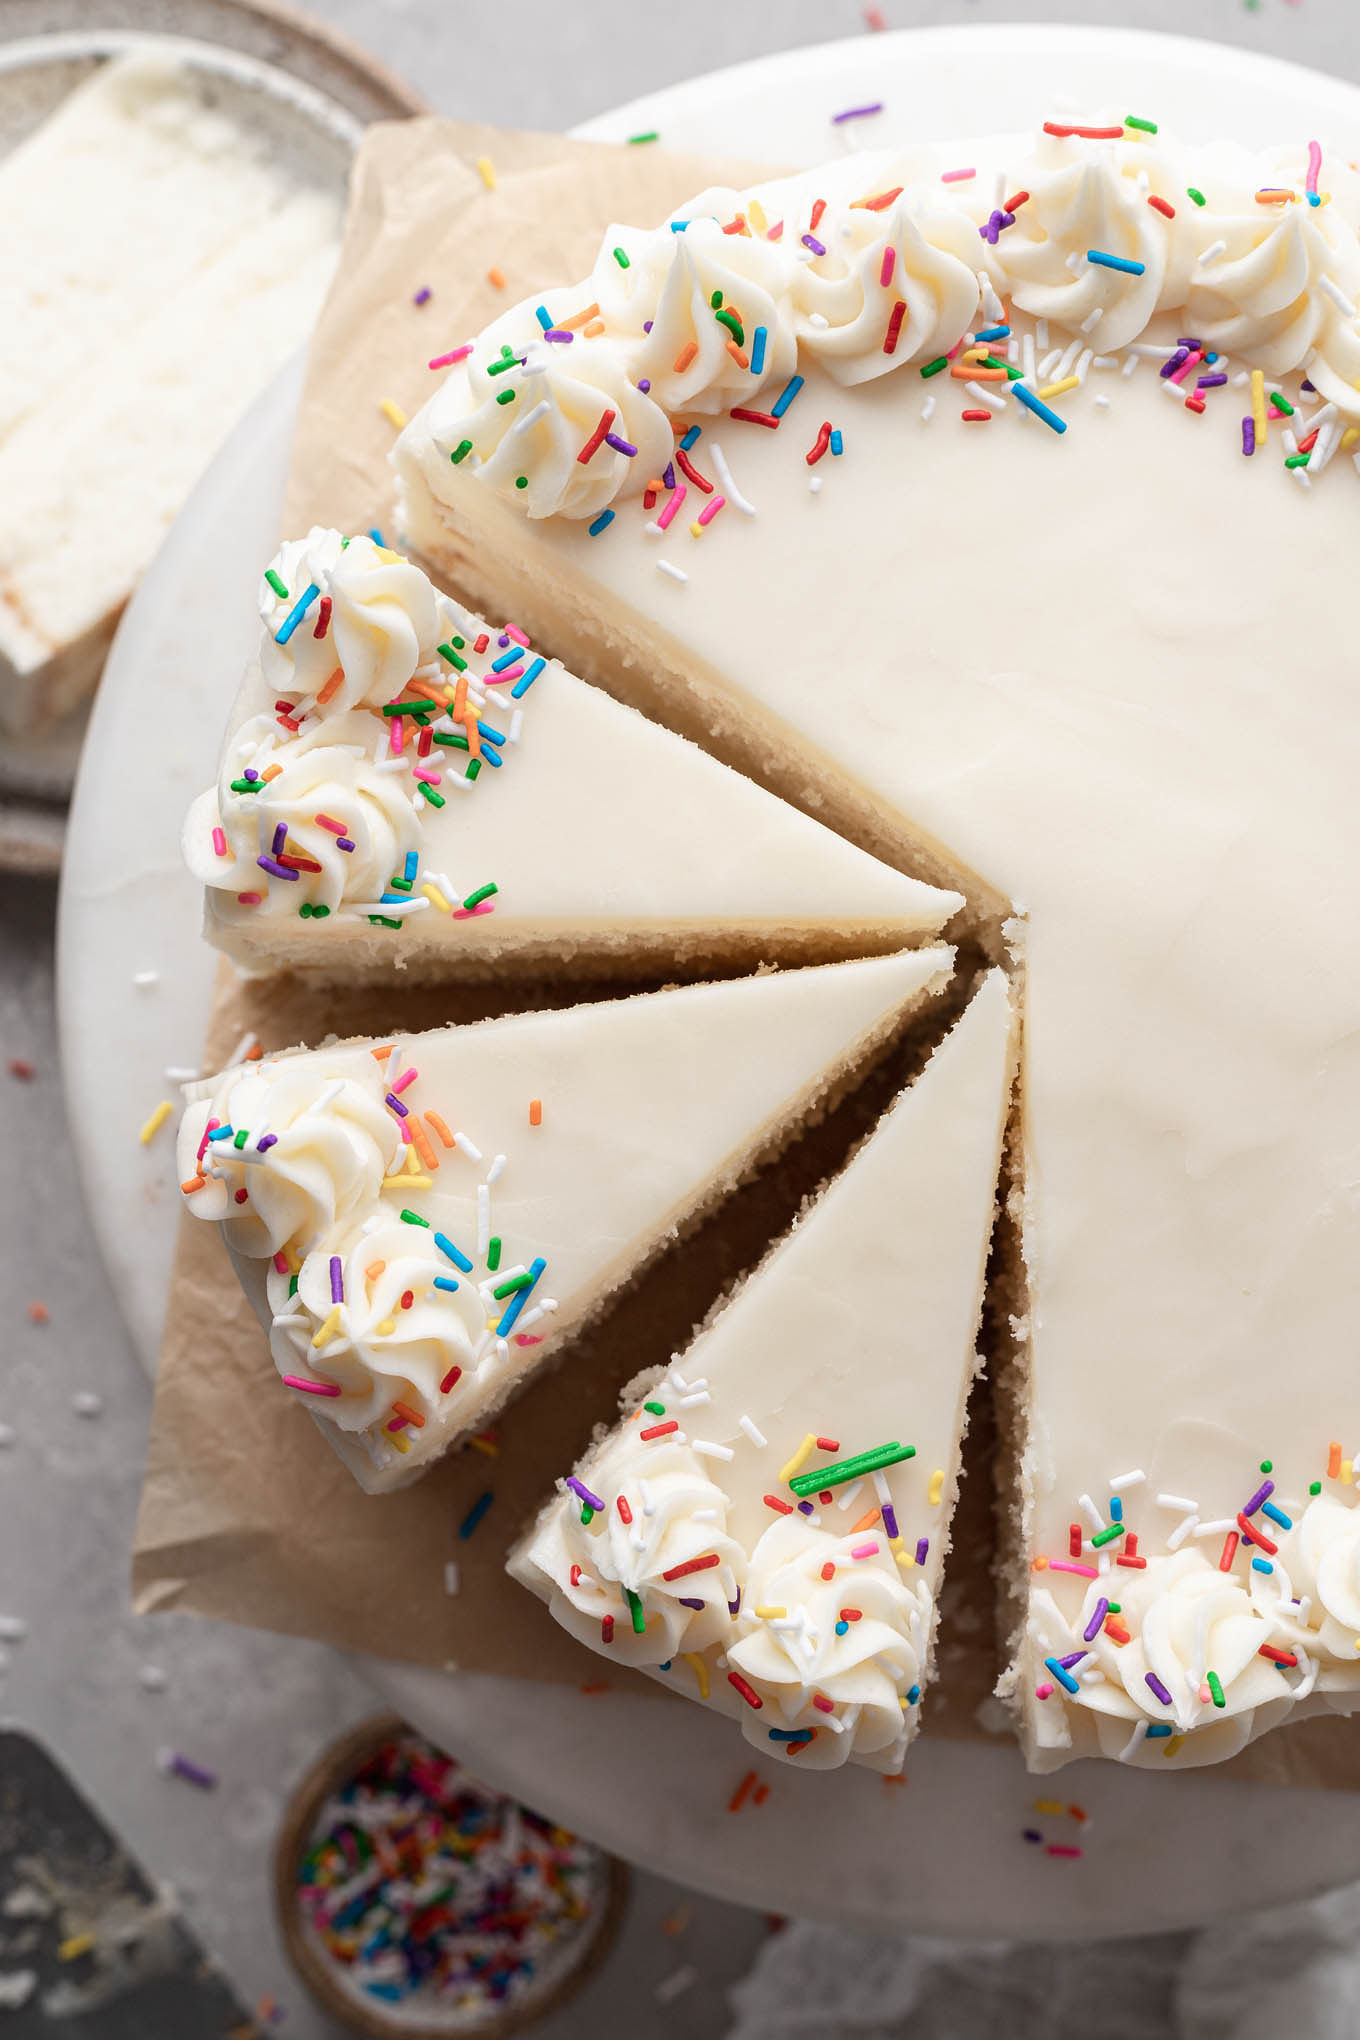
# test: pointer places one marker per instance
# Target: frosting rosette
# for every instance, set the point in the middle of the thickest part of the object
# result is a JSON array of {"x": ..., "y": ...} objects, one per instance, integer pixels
[
  {"x": 305, "y": 786},
  {"x": 372, "y": 620},
  {"x": 1325, "y": 1562},
  {"x": 281, "y": 1153},
  {"x": 917, "y": 253},
  {"x": 367, "y": 1318},
  {"x": 1085, "y": 206},
  {"x": 655, "y": 1559},
  {"x": 838, "y": 1655}
]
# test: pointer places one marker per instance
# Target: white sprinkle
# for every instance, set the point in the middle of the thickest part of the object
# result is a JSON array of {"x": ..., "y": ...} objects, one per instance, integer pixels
[
  {"x": 756, "y": 1436},
  {"x": 1102, "y": 403},
  {"x": 1182, "y": 1530},
  {"x": 1289, "y": 441},
  {"x": 529, "y": 419},
  {"x": 1328, "y": 441},
  {"x": 1105, "y": 361},
  {"x": 1076, "y": 262},
  {"x": 516, "y": 725},
  {"x": 815, "y": 485},
  {"x": 1093, "y": 1515},
  {"x": 882, "y": 1491},
  {"x": 1093, "y": 319},
  {"x": 706, "y": 1450},
  {"x": 394, "y": 909},
  {"x": 676, "y": 1984},
  {"x": 686, "y": 1402},
  {"x": 704, "y": 1516},
  {"x": 1049, "y": 363},
  {"x": 1029, "y": 357},
  {"x": 397, "y": 764},
  {"x": 1218, "y": 1528},
  {"x": 726, "y": 483},
  {"x": 1152, "y": 351},
  {"x": 466, "y": 1147},
  {"x": 1175, "y": 1502},
  {"x": 242, "y": 1049},
  {"x": 1127, "y": 1480},
  {"x": 1242, "y": 378},
  {"x": 13, "y": 1629},
  {"x": 927, "y": 410},
  {"x": 497, "y": 1170},
  {"x": 326, "y": 1098},
  {"x": 1041, "y": 332},
  {"x": 1130, "y": 366},
  {"x": 483, "y": 1219},
  {"x": 1084, "y": 360},
  {"x": 678, "y": 1378},
  {"x": 675, "y": 573},
  {"x": 180, "y": 1073},
  {"x": 152, "y": 1679},
  {"x": 1302, "y": 475},
  {"x": 1013, "y": 351},
  {"x": 538, "y": 1312},
  {"x": 146, "y": 977},
  {"x": 1333, "y": 290},
  {"x": 86, "y": 1403},
  {"x": 983, "y": 396},
  {"x": 452, "y": 1581},
  {"x": 847, "y": 1499},
  {"x": 1212, "y": 253},
  {"x": 991, "y": 303}
]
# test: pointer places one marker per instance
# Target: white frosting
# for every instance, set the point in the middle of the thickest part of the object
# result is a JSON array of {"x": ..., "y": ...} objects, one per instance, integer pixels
[
  {"x": 384, "y": 621},
  {"x": 329, "y": 1143}
]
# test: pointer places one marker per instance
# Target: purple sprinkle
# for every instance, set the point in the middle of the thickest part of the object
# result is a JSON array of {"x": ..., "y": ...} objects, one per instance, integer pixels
[
  {"x": 394, "y": 1101},
  {"x": 274, "y": 869},
  {"x": 1188, "y": 340},
  {"x": 857, "y": 112},
  {"x": 668, "y": 474},
  {"x": 922, "y": 1547},
  {"x": 503, "y": 640},
  {"x": 1092, "y": 1629},
  {"x": 337, "y": 1280},
  {"x": 734, "y": 1607},
  {"x": 1248, "y": 435},
  {"x": 646, "y": 325},
  {"x": 184, "y": 1767},
  {"x": 1074, "y": 1658},
  {"x": 890, "y": 1520},
  {"x": 645, "y": 385},
  {"x": 344, "y": 843},
  {"x": 805, "y": 1508},
  {"x": 1306, "y": 385},
  {"x": 1175, "y": 361},
  {"x": 280, "y": 838},
  {"x": 1210, "y": 382},
  {"x": 1030, "y": 1835},
  {"x": 578, "y": 1487},
  {"x": 250, "y": 773},
  {"x": 265, "y": 1142},
  {"x": 559, "y": 333},
  {"x": 620, "y": 445},
  {"x": 1158, "y": 1688},
  {"x": 684, "y": 1603},
  {"x": 996, "y": 226},
  {"x": 810, "y": 241},
  {"x": 422, "y": 296},
  {"x": 1262, "y": 1494}
]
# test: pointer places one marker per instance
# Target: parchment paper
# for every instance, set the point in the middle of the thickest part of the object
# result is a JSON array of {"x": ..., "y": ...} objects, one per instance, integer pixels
[{"x": 246, "y": 1514}]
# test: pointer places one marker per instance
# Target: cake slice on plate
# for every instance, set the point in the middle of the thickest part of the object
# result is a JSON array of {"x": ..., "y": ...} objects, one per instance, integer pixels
[
  {"x": 420, "y": 1222},
  {"x": 404, "y": 788},
  {"x": 767, "y": 1530},
  {"x": 1044, "y": 441}
]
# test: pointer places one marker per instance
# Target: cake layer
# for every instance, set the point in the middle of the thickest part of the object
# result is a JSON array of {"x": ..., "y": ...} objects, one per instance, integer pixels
[
  {"x": 721, "y": 1538},
  {"x": 403, "y": 788},
  {"x": 1089, "y": 626},
  {"x": 421, "y": 1223},
  {"x": 156, "y": 268}
]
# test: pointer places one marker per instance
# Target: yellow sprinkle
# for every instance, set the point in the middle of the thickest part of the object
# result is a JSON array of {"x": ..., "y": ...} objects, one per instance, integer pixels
[
  {"x": 936, "y": 1488},
  {"x": 755, "y": 213},
  {"x": 1258, "y": 404},
  {"x": 396, "y": 1438},
  {"x": 895, "y": 1543},
  {"x": 696, "y": 531},
  {"x": 1173, "y": 1747},
  {"x": 1049, "y": 1806},
  {"x": 326, "y": 1327},
  {"x": 486, "y": 1445},
  {"x": 76, "y": 1944},
  {"x": 1350, "y": 437},
  {"x": 1347, "y": 1472},
  {"x": 906, "y": 1559},
  {"x": 700, "y": 1669},
  {"x": 393, "y": 413},
  {"x": 487, "y": 171},
  {"x": 1060, "y": 389},
  {"x": 387, "y": 1327},
  {"x": 400, "y": 1182},
  {"x": 768, "y": 1614},
  {"x": 803, "y": 1453},
  {"x": 436, "y": 898},
  {"x": 153, "y": 1125}
]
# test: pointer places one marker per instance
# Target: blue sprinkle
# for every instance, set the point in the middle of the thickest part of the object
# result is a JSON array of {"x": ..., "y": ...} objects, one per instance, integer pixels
[
  {"x": 786, "y": 396},
  {"x": 519, "y": 1299},
  {"x": 445, "y": 1282},
  {"x": 1314, "y": 198},
  {"x": 377, "y": 536},
  {"x": 1116, "y": 1509},
  {"x": 1039, "y": 408},
  {"x": 541, "y": 313},
  {"x": 507, "y": 658},
  {"x": 690, "y": 438},
  {"x": 837, "y": 443},
  {"x": 223, "y": 1133},
  {"x": 1262, "y": 1565},
  {"x": 393, "y": 899},
  {"x": 993, "y": 333},
  {"x": 1061, "y": 1674},
  {"x": 602, "y": 523},
  {"x": 296, "y": 614},
  {"x": 758, "y": 339},
  {"x": 913, "y": 1695},
  {"x": 678, "y": 226},
  {"x": 489, "y": 735},
  {"x": 1277, "y": 1515},
  {"x": 1120, "y": 262},
  {"x": 1157, "y": 1729},
  {"x": 666, "y": 1667},
  {"x": 412, "y": 865},
  {"x": 790, "y": 1735},
  {"x": 446, "y": 1246},
  {"x": 527, "y": 679},
  {"x": 842, "y": 1629},
  {"x": 475, "y": 1514}
]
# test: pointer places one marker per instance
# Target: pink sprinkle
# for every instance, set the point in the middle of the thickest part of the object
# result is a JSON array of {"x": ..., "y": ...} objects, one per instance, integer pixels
[
  {"x": 447, "y": 360},
  {"x": 406, "y": 1077},
  {"x": 404, "y": 1131},
  {"x": 957, "y": 348},
  {"x": 512, "y": 630},
  {"x": 280, "y": 1260},
  {"x": 1192, "y": 360},
  {"x": 1062, "y": 1849},
  {"x": 427, "y": 773},
  {"x": 1044, "y": 1690},
  {"x": 1087, "y": 1572},
  {"x": 869, "y": 1550},
  {"x": 220, "y": 842},
  {"x": 885, "y": 272},
  {"x": 398, "y": 736},
  {"x": 1314, "y": 165},
  {"x": 710, "y": 510},
  {"x": 249, "y": 899},
  {"x": 500, "y": 679},
  {"x": 203, "y": 1149},
  {"x": 310, "y": 1387},
  {"x": 956, "y": 176},
  {"x": 472, "y": 913},
  {"x": 676, "y": 499},
  {"x": 329, "y": 822},
  {"x": 820, "y": 1700},
  {"x": 528, "y": 1339}
]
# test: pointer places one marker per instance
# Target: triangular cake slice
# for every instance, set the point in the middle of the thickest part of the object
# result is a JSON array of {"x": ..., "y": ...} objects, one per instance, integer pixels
[
  {"x": 421, "y": 1222},
  {"x": 403, "y": 788},
  {"x": 766, "y": 1531}
]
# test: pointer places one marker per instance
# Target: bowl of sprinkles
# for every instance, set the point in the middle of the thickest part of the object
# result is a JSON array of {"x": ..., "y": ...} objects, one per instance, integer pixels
[{"x": 414, "y": 1900}]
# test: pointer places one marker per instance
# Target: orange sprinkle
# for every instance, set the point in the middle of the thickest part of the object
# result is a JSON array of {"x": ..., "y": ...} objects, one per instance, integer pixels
[
  {"x": 381, "y": 1054},
  {"x": 1115, "y": 1629},
  {"x": 428, "y": 692},
  {"x": 742, "y": 360},
  {"x": 496, "y": 278},
  {"x": 253, "y": 1053},
  {"x": 194, "y": 1183},
  {"x": 1039, "y": 1564},
  {"x": 684, "y": 357},
  {"x": 865, "y": 1522},
  {"x": 760, "y": 1795},
  {"x": 596, "y": 326},
  {"x": 535, "y": 1112},
  {"x": 880, "y": 201},
  {"x": 271, "y": 772},
  {"x": 374, "y": 1270},
  {"x": 1333, "y": 1460},
  {"x": 897, "y": 1778},
  {"x": 402, "y": 1409},
  {"x": 421, "y": 1142},
  {"x": 459, "y": 709},
  {"x": 742, "y": 1793},
  {"x": 596, "y": 1686},
  {"x": 328, "y": 690},
  {"x": 474, "y": 735},
  {"x": 580, "y": 319},
  {"x": 965, "y": 371},
  {"x": 433, "y": 1119}
]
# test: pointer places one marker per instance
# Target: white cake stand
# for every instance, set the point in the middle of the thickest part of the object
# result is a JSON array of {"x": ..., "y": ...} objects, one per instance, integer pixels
[{"x": 645, "y": 1777}]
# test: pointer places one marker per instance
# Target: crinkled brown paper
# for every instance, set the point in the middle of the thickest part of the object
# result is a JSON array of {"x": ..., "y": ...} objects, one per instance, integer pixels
[{"x": 246, "y": 1514}]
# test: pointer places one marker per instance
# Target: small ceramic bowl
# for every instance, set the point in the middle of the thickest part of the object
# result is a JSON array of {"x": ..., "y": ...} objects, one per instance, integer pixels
[{"x": 415, "y": 1902}]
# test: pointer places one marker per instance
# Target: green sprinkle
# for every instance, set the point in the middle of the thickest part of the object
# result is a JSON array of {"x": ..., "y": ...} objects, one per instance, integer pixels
[
  {"x": 506, "y": 397},
  {"x": 305, "y": 911},
  {"x": 461, "y": 451},
  {"x": 1281, "y": 404},
  {"x": 242, "y": 1137},
  {"x": 1215, "y": 1689},
  {"x": 655, "y": 1409},
  {"x": 650, "y": 136},
  {"x": 521, "y": 481},
  {"x": 458, "y": 643},
  {"x": 449, "y": 741},
  {"x": 399, "y": 884},
  {"x": 276, "y": 584},
  {"x": 804, "y": 1484},
  {"x": 1114, "y": 1609},
  {"x": 427, "y": 792},
  {"x": 1013, "y": 374},
  {"x": 414, "y": 1218},
  {"x": 449, "y": 651},
  {"x": 247, "y": 785},
  {"x": 635, "y": 1610},
  {"x": 1298, "y": 460},
  {"x": 420, "y": 715},
  {"x": 320, "y": 913},
  {"x": 1146, "y": 127},
  {"x": 382, "y": 921},
  {"x": 499, "y": 367},
  {"x": 1267, "y": 1466},
  {"x": 493, "y": 1254},
  {"x": 716, "y": 300},
  {"x": 1108, "y": 1534},
  {"x": 483, "y": 892},
  {"x": 474, "y": 769},
  {"x": 292, "y": 1284},
  {"x": 1197, "y": 196},
  {"x": 1315, "y": 1487},
  {"x": 934, "y": 367},
  {"x": 515, "y": 1282},
  {"x": 733, "y": 325},
  {"x": 621, "y": 259},
  {"x": 587, "y": 1513}
]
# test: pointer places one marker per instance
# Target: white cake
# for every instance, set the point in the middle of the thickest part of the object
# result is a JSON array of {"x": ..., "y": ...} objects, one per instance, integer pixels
[
  {"x": 420, "y": 1223},
  {"x": 155, "y": 269},
  {"x": 510, "y": 815},
  {"x": 1092, "y": 665},
  {"x": 721, "y": 1538}
]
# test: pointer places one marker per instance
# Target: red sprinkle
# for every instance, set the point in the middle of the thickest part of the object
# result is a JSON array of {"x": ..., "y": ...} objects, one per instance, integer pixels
[
  {"x": 754, "y": 417},
  {"x": 625, "y": 1513},
  {"x": 596, "y": 439},
  {"x": 1168, "y": 212},
  {"x": 454, "y": 1374},
  {"x": 687, "y": 467},
  {"x": 1277, "y": 1657},
  {"x": 1255, "y": 1536},
  {"x": 1015, "y": 201},
  {"x": 659, "y": 1430},
  {"x": 607, "y": 1629},
  {"x": 1074, "y": 1540},
  {"x": 323, "y": 617},
  {"x": 828, "y": 1444},
  {"x": 1087, "y": 134},
  {"x": 748, "y": 1693},
  {"x": 780, "y": 1508},
  {"x": 895, "y": 318},
  {"x": 977, "y": 417},
  {"x": 1228, "y": 1553},
  {"x": 691, "y": 1565},
  {"x": 820, "y": 444}
]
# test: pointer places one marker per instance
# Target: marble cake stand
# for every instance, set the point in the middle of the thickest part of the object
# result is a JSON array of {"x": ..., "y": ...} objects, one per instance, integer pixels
[{"x": 645, "y": 1777}]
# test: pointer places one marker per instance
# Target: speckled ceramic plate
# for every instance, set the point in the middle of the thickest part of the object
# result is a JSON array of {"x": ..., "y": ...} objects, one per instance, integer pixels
[{"x": 280, "y": 74}]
